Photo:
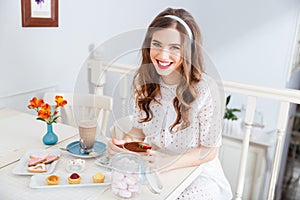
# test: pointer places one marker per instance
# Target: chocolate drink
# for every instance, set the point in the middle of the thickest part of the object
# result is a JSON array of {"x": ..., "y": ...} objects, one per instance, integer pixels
[{"x": 87, "y": 133}]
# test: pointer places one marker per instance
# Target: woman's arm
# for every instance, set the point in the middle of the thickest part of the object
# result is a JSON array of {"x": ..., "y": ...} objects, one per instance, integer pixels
[{"x": 195, "y": 157}]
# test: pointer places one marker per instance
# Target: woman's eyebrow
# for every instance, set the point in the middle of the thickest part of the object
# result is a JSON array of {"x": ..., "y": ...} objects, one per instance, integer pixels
[
  {"x": 156, "y": 41},
  {"x": 173, "y": 44}
]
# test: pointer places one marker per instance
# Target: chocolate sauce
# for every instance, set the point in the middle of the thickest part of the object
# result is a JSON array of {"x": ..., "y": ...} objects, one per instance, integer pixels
[{"x": 134, "y": 146}]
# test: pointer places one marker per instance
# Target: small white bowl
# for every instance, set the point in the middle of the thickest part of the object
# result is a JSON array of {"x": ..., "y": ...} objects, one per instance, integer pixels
[{"x": 75, "y": 165}]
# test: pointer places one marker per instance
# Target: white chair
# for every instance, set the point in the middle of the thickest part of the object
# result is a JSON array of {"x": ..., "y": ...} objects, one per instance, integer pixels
[
  {"x": 83, "y": 106},
  {"x": 120, "y": 127}
]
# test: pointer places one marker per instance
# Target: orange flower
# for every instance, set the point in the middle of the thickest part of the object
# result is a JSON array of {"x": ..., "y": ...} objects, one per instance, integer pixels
[
  {"x": 60, "y": 101},
  {"x": 45, "y": 111},
  {"x": 35, "y": 103}
]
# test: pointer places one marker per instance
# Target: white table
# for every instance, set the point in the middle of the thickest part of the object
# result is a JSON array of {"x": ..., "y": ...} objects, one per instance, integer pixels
[
  {"x": 27, "y": 136},
  {"x": 20, "y": 132}
]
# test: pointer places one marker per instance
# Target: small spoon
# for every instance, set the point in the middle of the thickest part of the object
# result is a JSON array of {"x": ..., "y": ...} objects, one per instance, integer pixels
[
  {"x": 67, "y": 149},
  {"x": 63, "y": 148}
]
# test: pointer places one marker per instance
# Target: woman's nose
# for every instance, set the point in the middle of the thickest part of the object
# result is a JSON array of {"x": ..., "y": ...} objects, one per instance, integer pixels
[{"x": 164, "y": 53}]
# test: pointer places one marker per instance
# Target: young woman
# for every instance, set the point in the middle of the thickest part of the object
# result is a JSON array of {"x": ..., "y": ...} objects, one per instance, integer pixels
[{"x": 178, "y": 108}]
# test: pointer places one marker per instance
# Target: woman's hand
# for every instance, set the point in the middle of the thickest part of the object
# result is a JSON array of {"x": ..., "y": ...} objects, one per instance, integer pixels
[
  {"x": 134, "y": 134},
  {"x": 158, "y": 160},
  {"x": 114, "y": 146}
]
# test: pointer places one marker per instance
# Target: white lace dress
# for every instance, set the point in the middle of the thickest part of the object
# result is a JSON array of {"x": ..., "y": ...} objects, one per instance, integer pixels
[{"x": 204, "y": 129}]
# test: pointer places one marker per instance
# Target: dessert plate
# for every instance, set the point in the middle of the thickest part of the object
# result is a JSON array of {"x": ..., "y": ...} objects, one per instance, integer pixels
[
  {"x": 39, "y": 181},
  {"x": 74, "y": 149},
  {"x": 21, "y": 166}
]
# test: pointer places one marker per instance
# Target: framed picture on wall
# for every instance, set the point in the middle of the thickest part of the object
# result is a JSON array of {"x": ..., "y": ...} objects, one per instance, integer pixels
[{"x": 39, "y": 13}]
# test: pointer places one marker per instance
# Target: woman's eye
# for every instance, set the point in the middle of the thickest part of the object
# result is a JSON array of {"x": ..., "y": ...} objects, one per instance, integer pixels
[
  {"x": 156, "y": 44},
  {"x": 175, "y": 47}
]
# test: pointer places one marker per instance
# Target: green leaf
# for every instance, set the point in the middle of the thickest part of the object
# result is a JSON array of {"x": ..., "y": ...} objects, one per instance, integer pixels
[
  {"x": 39, "y": 118},
  {"x": 229, "y": 112},
  {"x": 228, "y": 99},
  {"x": 55, "y": 118},
  {"x": 235, "y": 110}
]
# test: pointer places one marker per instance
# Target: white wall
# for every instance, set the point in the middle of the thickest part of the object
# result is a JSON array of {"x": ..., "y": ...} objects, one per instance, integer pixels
[
  {"x": 251, "y": 41},
  {"x": 248, "y": 41}
]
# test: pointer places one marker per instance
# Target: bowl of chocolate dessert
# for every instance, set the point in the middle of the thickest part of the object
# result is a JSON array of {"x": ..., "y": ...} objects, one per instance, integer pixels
[{"x": 138, "y": 147}]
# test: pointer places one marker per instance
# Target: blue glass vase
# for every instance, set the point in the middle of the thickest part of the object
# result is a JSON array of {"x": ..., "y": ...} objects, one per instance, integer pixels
[{"x": 50, "y": 137}]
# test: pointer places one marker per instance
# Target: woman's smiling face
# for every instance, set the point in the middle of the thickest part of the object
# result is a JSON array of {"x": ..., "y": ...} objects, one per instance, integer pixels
[{"x": 165, "y": 53}]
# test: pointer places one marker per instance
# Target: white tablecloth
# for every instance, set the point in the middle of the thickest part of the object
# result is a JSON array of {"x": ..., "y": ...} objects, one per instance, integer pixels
[{"x": 21, "y": 131}]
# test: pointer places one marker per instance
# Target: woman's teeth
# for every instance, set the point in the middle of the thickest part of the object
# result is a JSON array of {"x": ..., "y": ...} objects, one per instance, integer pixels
[{"x": 164, "y": 64}]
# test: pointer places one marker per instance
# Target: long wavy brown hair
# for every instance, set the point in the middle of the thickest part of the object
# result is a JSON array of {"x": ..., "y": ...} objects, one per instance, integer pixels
[{"x": 146, "y": 79}]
